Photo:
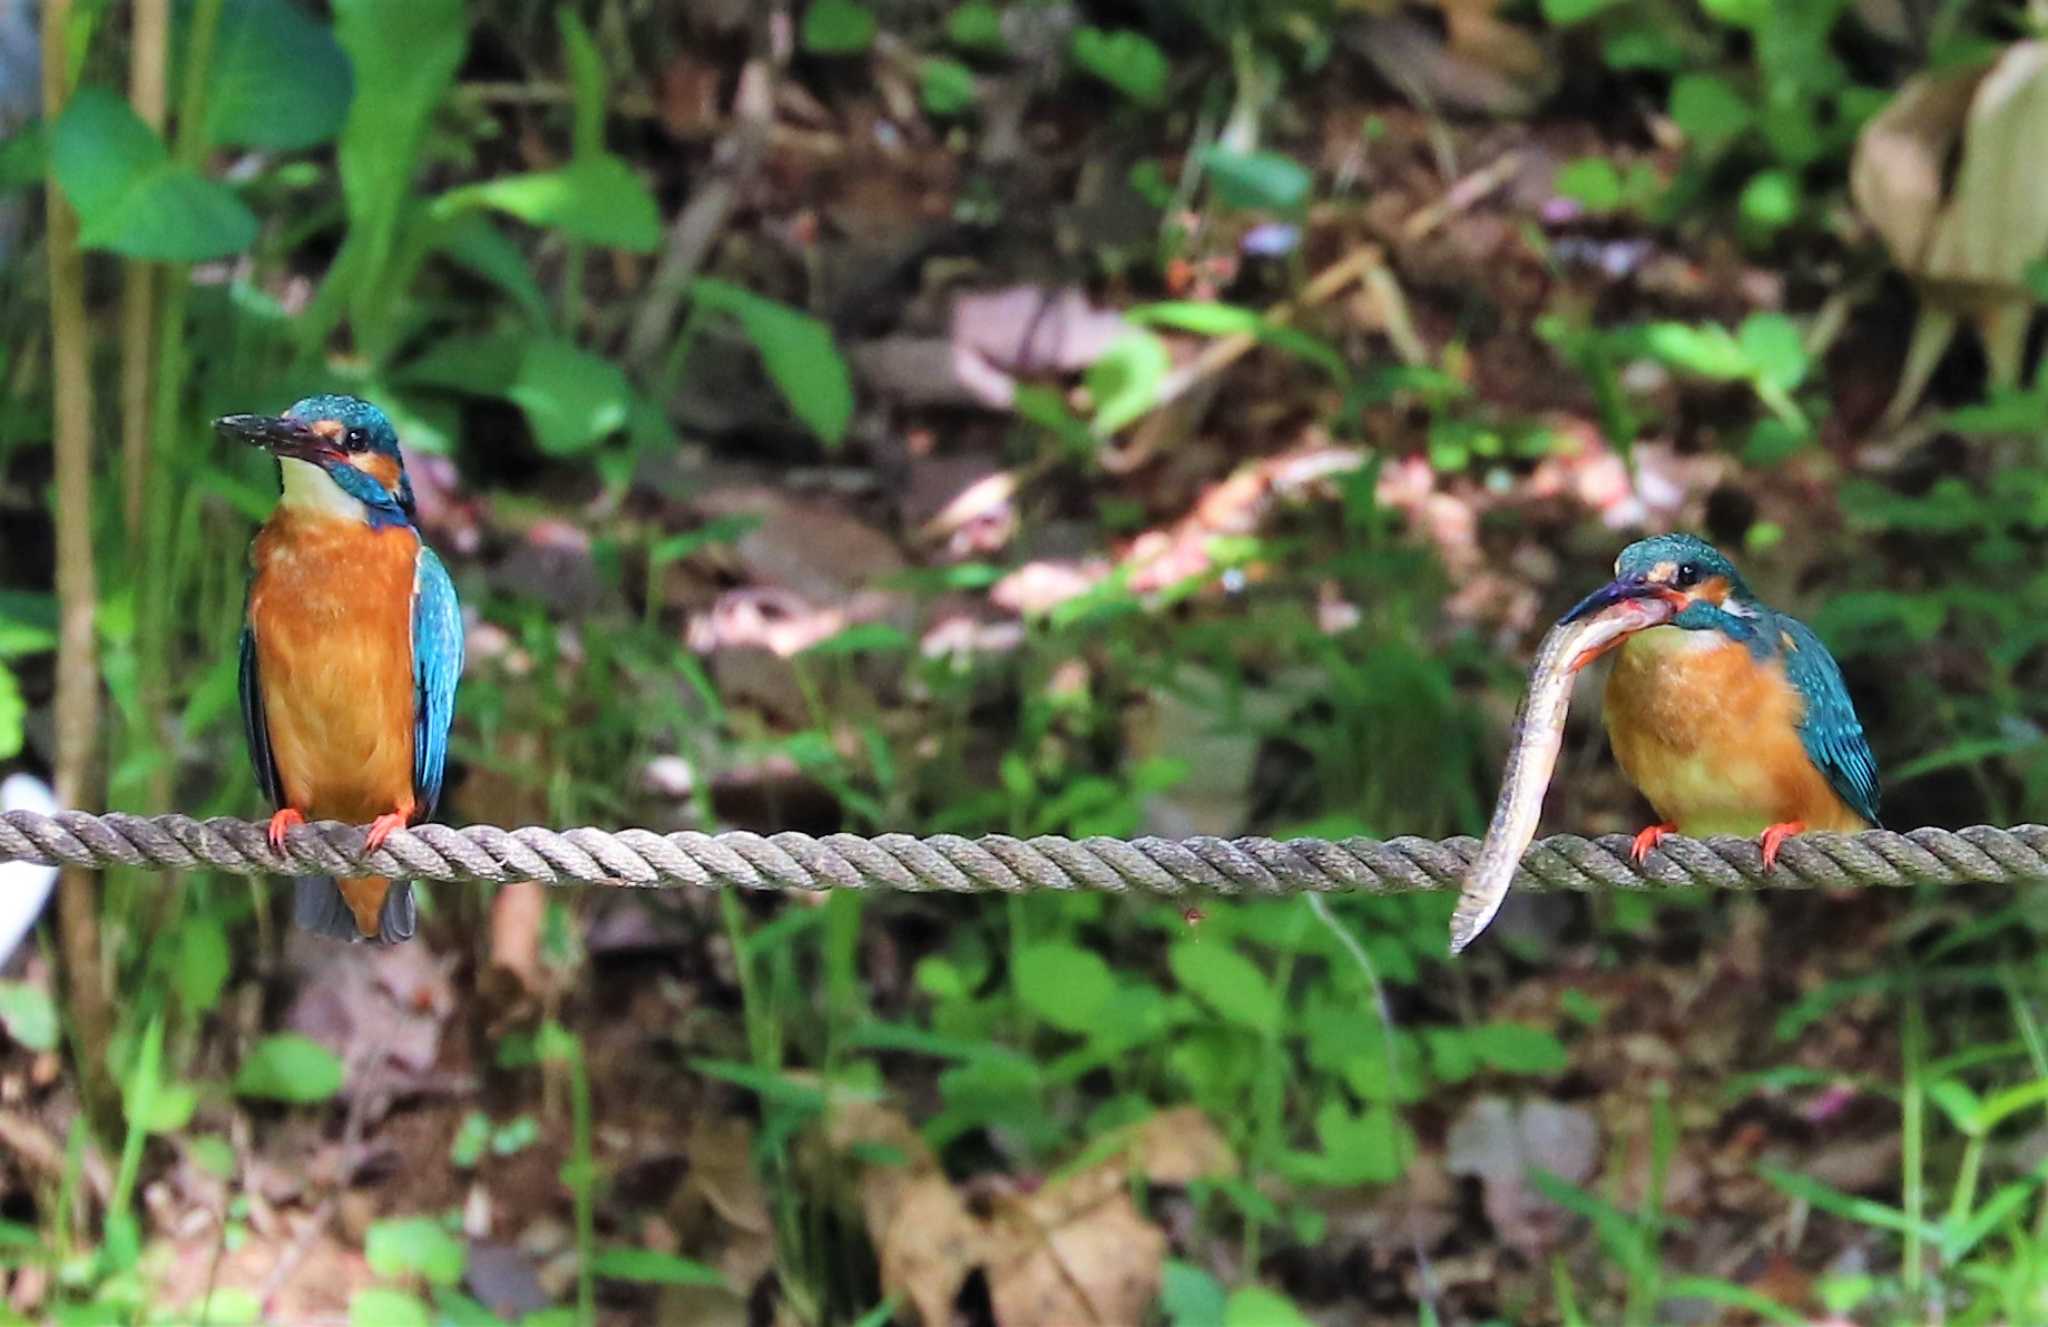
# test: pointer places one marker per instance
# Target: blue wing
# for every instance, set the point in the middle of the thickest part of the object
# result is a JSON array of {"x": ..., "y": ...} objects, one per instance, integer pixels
[
  {"x": 254, "y": 725},
  {"x": 436, "y": 669},
  {"x": 1831, "y": 732}
]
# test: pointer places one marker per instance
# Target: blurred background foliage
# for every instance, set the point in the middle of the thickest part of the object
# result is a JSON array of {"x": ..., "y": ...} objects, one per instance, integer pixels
[{"x": 1047, "y": 416}]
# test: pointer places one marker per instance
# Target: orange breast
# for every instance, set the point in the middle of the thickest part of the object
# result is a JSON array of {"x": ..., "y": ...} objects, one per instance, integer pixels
[
  {"x": 331, "y": 604},
  {"x": 1711, "y": 737}
]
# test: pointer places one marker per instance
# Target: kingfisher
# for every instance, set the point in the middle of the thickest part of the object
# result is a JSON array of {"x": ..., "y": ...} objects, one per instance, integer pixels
[
  {"x": 1732, "y": 718},
  {"x": 351, "y": 651}
]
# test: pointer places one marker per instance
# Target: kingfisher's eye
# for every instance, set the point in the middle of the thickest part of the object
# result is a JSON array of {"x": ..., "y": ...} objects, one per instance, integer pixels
[
  {"x": 1687, "y": 577},
  {"x": 356, "y": 439}
]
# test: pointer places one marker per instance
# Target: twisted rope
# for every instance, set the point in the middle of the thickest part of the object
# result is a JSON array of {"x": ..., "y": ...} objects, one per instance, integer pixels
[{"x": 949, "y": 863}]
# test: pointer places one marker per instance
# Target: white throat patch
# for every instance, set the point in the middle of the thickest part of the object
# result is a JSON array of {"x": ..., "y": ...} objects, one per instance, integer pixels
[{"x": 307, "y": 488}]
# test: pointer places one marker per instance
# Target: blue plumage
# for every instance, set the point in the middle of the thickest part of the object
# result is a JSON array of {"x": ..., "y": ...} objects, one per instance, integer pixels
[
  {"x": 436, "y": 668},
  {"x": 1831, "y": 733}
]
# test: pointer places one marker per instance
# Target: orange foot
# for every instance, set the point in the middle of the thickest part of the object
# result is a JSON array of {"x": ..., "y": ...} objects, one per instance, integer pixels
[
  {"x": 281, "y": 822},
  {"x": 380, "y": 830},
  {"x": 1774, "y": 839},
  {"x": 1647, "y": 841}
]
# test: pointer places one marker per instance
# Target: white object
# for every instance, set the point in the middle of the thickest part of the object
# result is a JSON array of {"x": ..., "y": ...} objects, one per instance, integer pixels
[{"x": 24, "y": 888}]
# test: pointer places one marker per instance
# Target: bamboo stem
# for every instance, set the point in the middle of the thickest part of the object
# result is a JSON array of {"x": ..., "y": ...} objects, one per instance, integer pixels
[
  {"x": 78, "y": 675},
  {"x": 148, "y": 94}
]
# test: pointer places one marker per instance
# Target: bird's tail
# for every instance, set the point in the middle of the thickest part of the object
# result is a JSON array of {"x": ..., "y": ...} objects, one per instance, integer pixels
[{"x": 361, "y": 908}]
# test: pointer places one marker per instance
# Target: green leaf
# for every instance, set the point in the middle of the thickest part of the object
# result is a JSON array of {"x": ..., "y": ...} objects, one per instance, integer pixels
[
  {"x": 1125, "y": 380},
  {"x": 1564, "y": 13},
  {"x": 860, "y": 638},
  {"x": 1777, "y": 353},
  {"x": 407, "y": 51},
  {"x": 13, "y": 711},
  {"x": 132, "y": 199},
  {"x": 1516, "y": 1048},
  {"x": 653, "y": 1268},
  {"x": 586, "y": 77},
  {"x": 976, "y": 25},
  {"x": 1128, "y": 61},
  {"x": 572, "y": 399},
  {"x": 797, "y": 351},
  {"x": 1709, "y": 111},
  {"x": 203, "y": 961},
  {"x": 476, "y": 243},
  {"x": 946, "y": 87},
  {"x": 289, "y": 1067},
  {"x": 29, "y": 1015},
  {"x": 598, "y": 199},
  {"x": 838, "y": 27},
  {"x": 1256, "y": 1306},
  {"x": 1593, "y": 183},
  {"x": 471, "y": 1138},
  {"x": 223, "y": 1306},
  {"x": 1190, "y": 1296},
  {"x": 1063, "y": 984},
  {"x": 415, "y": 1246},
  {"x": 1771, "y": 200},
  {"x": 278, "y": 78},
  {"x": 386, "y": 1308},
  {"x": 1227, "y": 982},
  {"x": 1268, "y": 181},
  {"x": 1708, "y": 350},
  {"x": 1373, "y": 1147}
]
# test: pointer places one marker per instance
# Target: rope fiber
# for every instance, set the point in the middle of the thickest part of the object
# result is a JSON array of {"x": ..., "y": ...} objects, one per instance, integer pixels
[{"x": 948, "y": 863}]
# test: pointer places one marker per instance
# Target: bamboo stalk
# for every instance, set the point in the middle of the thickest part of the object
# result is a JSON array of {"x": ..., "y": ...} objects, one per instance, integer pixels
[
  {"x": 148, "y": 94},
  {"x": 78, "y": 675}
]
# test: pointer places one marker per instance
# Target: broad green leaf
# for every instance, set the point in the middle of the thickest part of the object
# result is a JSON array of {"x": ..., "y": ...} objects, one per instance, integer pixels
[
  {"x": 797, "y": 351},
  {"x": 29, "y": 1015},
  {"x": 1369, "y": 1148},
  {"x": 203, "y": 961},
  {"x": 946, "y": 87},
  {"x": 1592, "y": 182},
  {"x": 654, "y": 1268},
  {"x": 1777, "y": 353},
  {"x": 477, "y": 244},
  {"x": 1128, "y": 61},
  {"x": 386, "y": 1308},
  {"x": 132, "y": 199},
  {"x": 1189, "y": 1296},
  {"x": 1256, "y": 1306},
  {"x": 861, "y": 638},
  {"x": 1268, "y": 181},
  {"x": 1227, "y": 982},
  {"x": 289, "y": 1067},
  {"x": 571, "y": 398},
  {"x": 1063, "y": 984},
  {"x": 404, "y": 53},
  {"x": 1517, "y": 1048},
  {"x": 1709, "y": 112},
  {"x": 1125, "y": 380},
  {"x": 415, "y": 1246},
  {"x": 976, "y": 25},
  {"x": 278, "y": 78},
  {"x": 599, "y": 199},
  {"x": 1708, "y": 350},
  {"x": 838, "y": 27},
  {"x": 223, "y": 1306},
  {"x": 1771, "y": 200}
]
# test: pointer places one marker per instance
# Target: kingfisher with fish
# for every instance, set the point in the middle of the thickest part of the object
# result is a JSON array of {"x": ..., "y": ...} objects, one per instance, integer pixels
[
  {"x": 351, "y": 651},
  {"x": 1730, "y": 717}
]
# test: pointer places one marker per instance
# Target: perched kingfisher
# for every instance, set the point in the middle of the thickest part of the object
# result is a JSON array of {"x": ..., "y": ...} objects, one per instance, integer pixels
[
  {"x": 351, "y": 650},
  {"x": 1733, "y": 718}
]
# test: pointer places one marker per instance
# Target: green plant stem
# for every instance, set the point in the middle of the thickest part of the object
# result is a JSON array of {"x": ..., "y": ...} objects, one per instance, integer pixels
[
  {"x": 1912, "y": 1126},
  {"x": 78, "y": 676},
  {"x": 147, "y": 63}
]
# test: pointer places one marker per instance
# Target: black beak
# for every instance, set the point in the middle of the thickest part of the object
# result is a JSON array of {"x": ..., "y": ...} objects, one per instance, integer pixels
[
  {"x": 275, "y": 433},
  {"x": 1614, "y": 592}
]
